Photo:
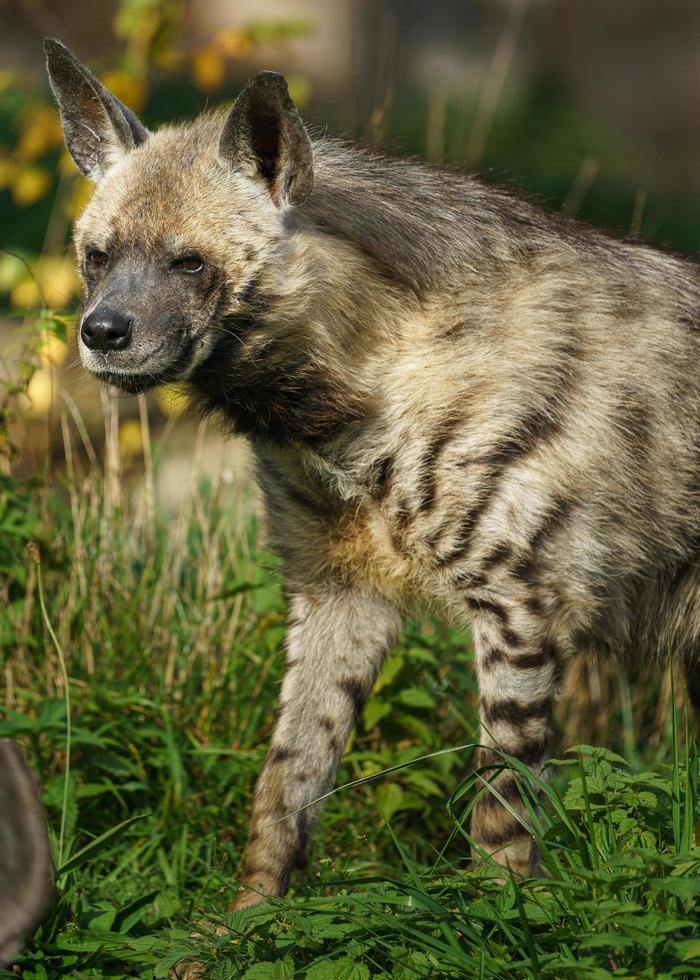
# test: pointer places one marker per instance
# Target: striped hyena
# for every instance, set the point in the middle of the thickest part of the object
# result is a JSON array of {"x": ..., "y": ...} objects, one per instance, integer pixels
[{"x": 453, "y": 398}]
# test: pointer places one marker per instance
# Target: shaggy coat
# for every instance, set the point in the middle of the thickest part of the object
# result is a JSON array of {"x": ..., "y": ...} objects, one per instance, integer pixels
[{"x": 454, "y": 399}]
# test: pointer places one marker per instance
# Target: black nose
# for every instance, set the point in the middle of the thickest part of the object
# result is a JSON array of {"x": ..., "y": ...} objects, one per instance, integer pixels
[{"x": 106, "y": 330}]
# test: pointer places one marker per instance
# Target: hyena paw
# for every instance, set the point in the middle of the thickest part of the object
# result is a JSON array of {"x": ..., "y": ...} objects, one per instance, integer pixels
[
  {"x": 519, "y": 857},
  {"x": 246, "y": 898}
]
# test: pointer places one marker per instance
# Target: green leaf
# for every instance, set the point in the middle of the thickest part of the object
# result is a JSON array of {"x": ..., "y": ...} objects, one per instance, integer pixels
[
  {"x": 596, "y": 753},
  {"x": 320, "y": 970},
  {"x": 374, "y": 711},
  {"x": 685, "y": 888},
  {"x": 416, "y": 697},
  {"x": 98, "y": 844},
  {"x": 424, "y": 782},
  {"x": 347, "y": 969},
  {"x": 99, "y": 919},
  {"x": 688, "y": 949},
  {"x": 57, "y": 325},
  {"x": 389, "y": 797},
  {"x": 225, "y": 970},
  {"x": 132, "y": 913},
  {"x": 421, "y": 655},
  {"x": 280, "y": 970},
  {"x": 389, "y": 672}
]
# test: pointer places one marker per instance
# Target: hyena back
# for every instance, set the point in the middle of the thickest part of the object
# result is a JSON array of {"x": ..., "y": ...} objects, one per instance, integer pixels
[{"x": 453, "y": 398}]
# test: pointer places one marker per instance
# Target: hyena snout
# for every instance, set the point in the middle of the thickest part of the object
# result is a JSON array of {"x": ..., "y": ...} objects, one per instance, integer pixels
[{"x": 106, "y": 329}]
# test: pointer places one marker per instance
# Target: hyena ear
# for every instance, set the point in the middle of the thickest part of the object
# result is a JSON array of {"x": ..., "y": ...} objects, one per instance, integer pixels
[
  {"x": 265, "y": 138},
  {"x": 97, "y": 128}
]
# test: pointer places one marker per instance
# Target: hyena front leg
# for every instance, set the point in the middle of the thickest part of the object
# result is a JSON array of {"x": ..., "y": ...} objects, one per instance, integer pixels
[
  {"x": 517, "y": 669},
  {"x": 335, "y": 646}
]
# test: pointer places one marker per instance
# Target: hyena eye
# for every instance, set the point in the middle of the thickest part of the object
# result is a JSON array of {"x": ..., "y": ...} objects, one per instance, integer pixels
[
  {"x": 189, "y": 263},
  {"x": 96, "y": 257}
]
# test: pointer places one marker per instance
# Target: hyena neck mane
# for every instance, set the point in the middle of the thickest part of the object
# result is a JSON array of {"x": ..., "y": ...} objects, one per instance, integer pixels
[
  {"x": 303, "y": 358},
  {"x": 284, "y": 396}
]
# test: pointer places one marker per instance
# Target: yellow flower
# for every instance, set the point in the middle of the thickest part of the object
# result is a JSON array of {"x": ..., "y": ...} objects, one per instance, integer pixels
[
  {"x": 208, "y": 68},
  {"x": 58, "y": 279},
  {"x": 12, "y": 271},
  {"x": 232, "y": 41},
  {"x": 40, "y": 392},
  {"x": 53, "y": 350},
  {"x": 29, "y": 185},
  {"x": 80, "y": 193},
  {"x": 25, "y": 293},
  {"x": 42, "y": 131},
  {"x": 130, "y": 438},
  {"x": 131, "y": 90},
  {"x": 8, "y": 168}
]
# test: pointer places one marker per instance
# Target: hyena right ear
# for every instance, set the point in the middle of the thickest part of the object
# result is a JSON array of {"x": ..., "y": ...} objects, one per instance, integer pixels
[
  {"x": 97, "y": 128},
  {"x": 265, "y": 138}
]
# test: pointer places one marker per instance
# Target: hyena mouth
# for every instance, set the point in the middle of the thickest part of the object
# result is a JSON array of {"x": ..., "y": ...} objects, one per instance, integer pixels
[{"x": 141, "y": 379}]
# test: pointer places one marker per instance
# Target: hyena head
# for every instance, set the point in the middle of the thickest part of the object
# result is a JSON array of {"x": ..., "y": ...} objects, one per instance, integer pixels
[{"x": 180, "y": 223}]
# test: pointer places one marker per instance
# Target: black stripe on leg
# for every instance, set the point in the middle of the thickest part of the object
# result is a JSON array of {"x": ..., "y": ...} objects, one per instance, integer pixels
[
  {"x": 529, "y": 751},
  {"x": 520, "y": 661},
  {"x": 525, "y": 569},
  {"x": 281, "y": 754},
  {"x": 497, "y": 556},
  {"x": 530, "y": 661},
  {"x": 495, "y": 609},
  {"x": 509, "y": 831},
  {"x": 355, "y": 690},
  {"x": 494, "y": 656},
  {"x": 517, "y": 712},
  {"x": 511, "y": 638}
]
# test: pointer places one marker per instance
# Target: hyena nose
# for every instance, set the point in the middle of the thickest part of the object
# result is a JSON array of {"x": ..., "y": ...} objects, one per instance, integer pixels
[{"x": 106, "y": 330}]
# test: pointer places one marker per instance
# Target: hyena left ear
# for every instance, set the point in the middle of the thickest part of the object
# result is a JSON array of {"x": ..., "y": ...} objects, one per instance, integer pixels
[
  {"x": 97, "y": 127},
  {"x": 265, "y": 138}
]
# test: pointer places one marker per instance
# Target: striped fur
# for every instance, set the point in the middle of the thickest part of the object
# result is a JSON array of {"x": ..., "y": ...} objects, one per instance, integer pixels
[{"x": 455, "y": 399}]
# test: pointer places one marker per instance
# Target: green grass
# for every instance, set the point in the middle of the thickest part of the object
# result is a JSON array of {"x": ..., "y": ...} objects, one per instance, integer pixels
[{"x": 172, "y": 631}]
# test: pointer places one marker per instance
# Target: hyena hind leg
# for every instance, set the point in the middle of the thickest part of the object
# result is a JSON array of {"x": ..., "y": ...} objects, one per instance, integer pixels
[
  {"x": 517, "y": 669},
  {"x": 335, "y": 646}
]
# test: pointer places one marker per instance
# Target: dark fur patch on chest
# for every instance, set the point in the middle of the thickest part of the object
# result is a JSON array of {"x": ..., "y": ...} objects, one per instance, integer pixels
[{"x": 280, "y": 394}]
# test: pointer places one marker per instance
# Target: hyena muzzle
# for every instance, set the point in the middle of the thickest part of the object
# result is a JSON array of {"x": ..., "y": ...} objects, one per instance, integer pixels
[{"x": 453, "y": 398}]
